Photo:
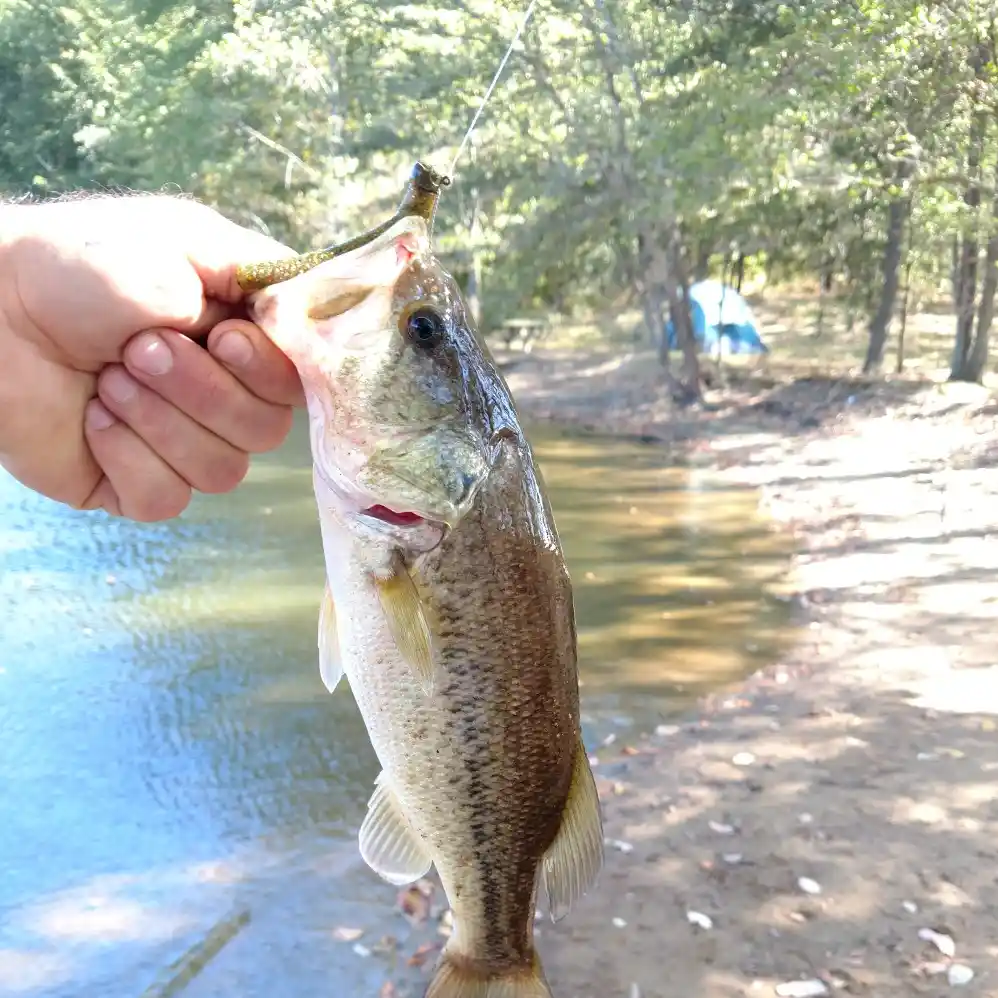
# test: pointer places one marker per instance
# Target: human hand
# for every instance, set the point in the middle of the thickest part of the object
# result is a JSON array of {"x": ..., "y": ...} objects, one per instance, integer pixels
[{"x": 106, "y": 399}]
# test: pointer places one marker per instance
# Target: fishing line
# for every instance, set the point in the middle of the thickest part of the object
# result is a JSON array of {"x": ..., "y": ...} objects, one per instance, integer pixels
[
  {"x": 419, "y": 199},
  {"x": 492, "y": 86}
]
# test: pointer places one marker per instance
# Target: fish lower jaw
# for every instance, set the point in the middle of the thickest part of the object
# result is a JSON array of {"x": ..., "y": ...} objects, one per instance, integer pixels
[
  {"x": 410, "y": 531},
  {"x": 375, "y": 521}
]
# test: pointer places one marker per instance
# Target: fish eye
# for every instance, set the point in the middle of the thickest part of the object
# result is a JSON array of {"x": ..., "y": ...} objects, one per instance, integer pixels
[{"x": 424, "y": 327}]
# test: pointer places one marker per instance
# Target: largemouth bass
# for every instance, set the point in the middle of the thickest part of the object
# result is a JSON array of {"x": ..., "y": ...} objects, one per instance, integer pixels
[{"x": 448, "y": 604}]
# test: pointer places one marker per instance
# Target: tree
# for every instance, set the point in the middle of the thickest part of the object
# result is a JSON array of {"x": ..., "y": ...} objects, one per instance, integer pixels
[{"x": 629, "y": 144}]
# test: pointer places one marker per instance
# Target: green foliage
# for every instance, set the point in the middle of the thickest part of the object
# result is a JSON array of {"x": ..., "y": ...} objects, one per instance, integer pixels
[{"x": 782, "y": 130}]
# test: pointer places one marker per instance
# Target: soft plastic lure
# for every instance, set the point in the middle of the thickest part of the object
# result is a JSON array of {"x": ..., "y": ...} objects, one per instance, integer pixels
[{"x": 419, "y": 198}]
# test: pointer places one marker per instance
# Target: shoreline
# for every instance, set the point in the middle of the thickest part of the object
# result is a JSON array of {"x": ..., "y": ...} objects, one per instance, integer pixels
[{"x": 800, "y": 833}]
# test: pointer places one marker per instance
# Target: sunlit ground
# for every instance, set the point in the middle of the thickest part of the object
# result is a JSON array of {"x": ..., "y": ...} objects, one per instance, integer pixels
[{"x": 867, "y": 762}]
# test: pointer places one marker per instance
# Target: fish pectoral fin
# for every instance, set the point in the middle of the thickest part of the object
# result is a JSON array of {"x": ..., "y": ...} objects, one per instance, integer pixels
[
  {"x": 330, "y": 659},
  {"x": 388, "y": 843},
  {"x": 575, "y": 858},
  {"x": 407, "y": 622}
]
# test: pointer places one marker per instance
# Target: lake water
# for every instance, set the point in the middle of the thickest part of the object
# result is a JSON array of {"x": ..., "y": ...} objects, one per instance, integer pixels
[{"x": 173, "y": 773}]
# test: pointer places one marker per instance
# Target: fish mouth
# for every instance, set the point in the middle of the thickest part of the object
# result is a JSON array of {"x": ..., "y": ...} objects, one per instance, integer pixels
[
  {"x": 393, "y": 518},
  {"x": 376, "y": 514},
  {"x": 411, "y": 531}
]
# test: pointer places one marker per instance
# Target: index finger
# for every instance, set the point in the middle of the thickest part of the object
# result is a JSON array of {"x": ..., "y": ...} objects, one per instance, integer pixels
[{"x": 245, "y": 350}]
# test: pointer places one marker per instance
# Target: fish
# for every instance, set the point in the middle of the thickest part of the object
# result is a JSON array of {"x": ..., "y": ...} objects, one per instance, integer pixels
[{"x": 447, "y": 605}]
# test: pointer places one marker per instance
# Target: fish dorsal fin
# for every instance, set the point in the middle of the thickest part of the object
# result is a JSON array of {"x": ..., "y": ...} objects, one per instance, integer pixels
[
  {"x": 388, "y": 843},
  {"x": 330, "y": 658},
  {"x": 575, "y": 858},
  {"x": 407, "y": 622}
]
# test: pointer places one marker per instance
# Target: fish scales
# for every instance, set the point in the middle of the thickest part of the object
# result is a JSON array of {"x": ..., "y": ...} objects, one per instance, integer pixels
[
  {"x": 448, "y": 604},
  {"x": 508, "y": 706}
]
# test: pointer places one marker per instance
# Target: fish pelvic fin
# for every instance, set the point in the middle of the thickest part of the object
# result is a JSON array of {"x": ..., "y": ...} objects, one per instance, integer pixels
[
  {"x": 457, "y": 976},
  {"x": 573, "y": 862},
  {"x": 330, "y": 659},
  {"x": 407, "y": 622},
  {"x": 388, "y": 843}
]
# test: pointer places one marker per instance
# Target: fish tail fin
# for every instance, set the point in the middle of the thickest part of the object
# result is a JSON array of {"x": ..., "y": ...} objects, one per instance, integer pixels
[{"x": 458, "y": 977}]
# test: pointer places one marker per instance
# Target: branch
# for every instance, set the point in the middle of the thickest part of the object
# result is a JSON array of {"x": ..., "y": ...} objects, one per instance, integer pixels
[{"x": 284, "y": 151}]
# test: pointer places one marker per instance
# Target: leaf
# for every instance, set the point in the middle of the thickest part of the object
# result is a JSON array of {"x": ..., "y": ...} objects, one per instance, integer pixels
[
  {"x": 347, "y": 935},
  {"x": 422, "y": 954},
  {"x": 414, "y": 901}
]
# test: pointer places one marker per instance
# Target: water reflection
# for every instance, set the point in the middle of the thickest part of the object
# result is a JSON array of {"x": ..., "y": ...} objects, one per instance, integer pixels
[
  {"x": 675, "y": 577},
  {"x": 168, "y": 753}
]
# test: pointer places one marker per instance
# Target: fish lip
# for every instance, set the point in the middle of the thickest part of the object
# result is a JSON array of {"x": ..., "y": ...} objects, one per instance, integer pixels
[
  {"x": 352, "y": 498},
  {"x": 421, "y": 535},
  {"x": 396, "y": 519}
]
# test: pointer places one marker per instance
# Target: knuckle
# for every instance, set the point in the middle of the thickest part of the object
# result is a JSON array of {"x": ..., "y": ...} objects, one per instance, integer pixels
[
  {"x": 197, "y": 384},
  {"x": 214, "y": 397},
  {"x": 272, "y": 430},
  {"x": 224, "y": 473},
  {"x": 163, "y": 503}
]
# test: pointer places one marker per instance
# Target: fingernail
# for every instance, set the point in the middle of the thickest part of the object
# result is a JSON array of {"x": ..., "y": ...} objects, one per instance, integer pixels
[
  {"x": 96, "y": 417},
  {"x": 150, "y": 354},
  {"x": 121, "y": 387},
  {"x": 234, "y": 348}
]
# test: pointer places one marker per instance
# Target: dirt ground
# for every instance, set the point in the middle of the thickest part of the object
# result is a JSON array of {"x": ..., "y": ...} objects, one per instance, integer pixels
[
  {"x": 829, "y": 826},
  {"x": 798, "y": 834}
]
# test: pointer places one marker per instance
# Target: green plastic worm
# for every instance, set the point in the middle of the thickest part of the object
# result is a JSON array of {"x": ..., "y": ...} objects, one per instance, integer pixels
[{"x": 419, "y": 198}]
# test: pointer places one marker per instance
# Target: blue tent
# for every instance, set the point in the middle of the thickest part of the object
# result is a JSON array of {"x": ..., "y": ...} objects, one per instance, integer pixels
[{"x": 734, "y": 330}]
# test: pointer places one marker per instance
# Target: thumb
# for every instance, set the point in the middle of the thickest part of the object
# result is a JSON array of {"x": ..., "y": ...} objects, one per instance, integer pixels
[{"x": 221, "y": 246}]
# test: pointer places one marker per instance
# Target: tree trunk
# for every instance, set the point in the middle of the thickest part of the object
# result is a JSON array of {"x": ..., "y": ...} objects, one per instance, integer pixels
[
  {"x": 679, "y": 313},
  {"x": 967, "y": 264},
  {"x": 654, "y": 316},
  {"x": 881, "y": 322},
  {"x": 977, "y": 353},
  {"x": 651, "y": 287},
  {"x": 967, "y": 284},
  {"x": 677, "y": 293},
  {"x": 648, "y": 282},
  {"x": 701, "y": 270},
  {"x": 955, "y": 271},
  {"x": 739, "y": 272},
  {"x": 904, "y": 316},
  {"x": 977, "y": 358},
  {"x": 819, "y": 321}
]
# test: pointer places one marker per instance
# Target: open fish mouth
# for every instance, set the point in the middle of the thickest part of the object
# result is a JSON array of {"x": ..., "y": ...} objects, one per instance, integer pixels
[
  {"x": 364, "y": 505},
  {"x": 411, "y": 531},
  {"x": 393, "y": 518}
]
